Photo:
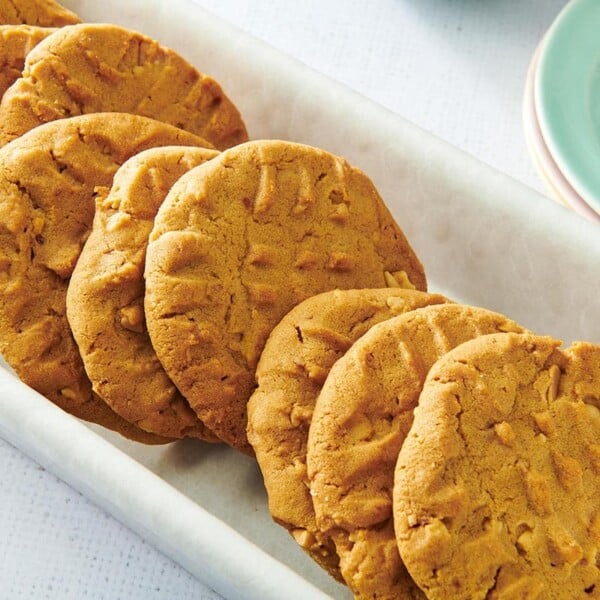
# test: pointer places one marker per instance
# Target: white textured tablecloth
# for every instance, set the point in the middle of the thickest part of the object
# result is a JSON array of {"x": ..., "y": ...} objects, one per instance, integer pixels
[{"x": 454, "y": 67}]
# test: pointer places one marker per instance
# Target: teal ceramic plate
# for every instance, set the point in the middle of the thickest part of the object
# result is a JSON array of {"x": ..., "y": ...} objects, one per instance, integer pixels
[
  {"x": 556, "y": 183},
  {"x": 567, "y": 96}
]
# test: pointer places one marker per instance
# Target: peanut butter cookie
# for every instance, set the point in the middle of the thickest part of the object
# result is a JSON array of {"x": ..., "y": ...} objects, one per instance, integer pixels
[
  {"x": 16, "y": 41},
  {"x": 497, "y": 484},
  {"x": 293, "y": 366},
  {"x": 43, "y": 13},
  {"x": 93, "y": 68},
  {"x": 48, "y": 179},
  {"x": 105, "y": 298},
  {"x": 361, "y": 418},
  {"x": 242, "y": 239}
]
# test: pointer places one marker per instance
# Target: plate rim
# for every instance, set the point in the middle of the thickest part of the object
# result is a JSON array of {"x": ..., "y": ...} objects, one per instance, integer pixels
[
  {"x": 543, "y": 160},
  {"x": 552, "y": 107}
]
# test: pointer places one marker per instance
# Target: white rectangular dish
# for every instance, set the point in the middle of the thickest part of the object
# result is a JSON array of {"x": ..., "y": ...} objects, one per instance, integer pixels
[{"x": 483, "y": 239}]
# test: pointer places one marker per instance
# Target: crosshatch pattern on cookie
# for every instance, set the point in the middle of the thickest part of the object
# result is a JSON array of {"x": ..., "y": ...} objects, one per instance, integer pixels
[
  {"x": 43, "y": 13},
  {"x": 239, "y": 242},
  {"x": 361, "y": 418},
  {"x": 292, "y": 369},
  {"x": 48, "y": 181},
  {"x": 92, "y": 68},
  {"x": 496, "y": 491},
  {"x": 106, "y": 295}
]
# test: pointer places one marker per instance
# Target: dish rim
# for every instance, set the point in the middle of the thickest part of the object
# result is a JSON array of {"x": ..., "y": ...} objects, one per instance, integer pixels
[
  {"x": 561, "y": 94},
  {"x": 543, "y": 161}
]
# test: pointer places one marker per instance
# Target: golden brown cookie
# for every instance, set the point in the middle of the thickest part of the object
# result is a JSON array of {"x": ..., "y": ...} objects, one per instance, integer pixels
[
  {"x": 361, "y": 418},
  {"x": 242, "y": 239},
  {"x": 100, "y": 68},
  {"x": 497, "y": 484},
  {"x": 47, "y": 190},
  {"x": 16, "y": 41},
  {"x": 105, "y": 298},
  {"x": 43, "y": 13},
  {"x": 293, "y": 366}
]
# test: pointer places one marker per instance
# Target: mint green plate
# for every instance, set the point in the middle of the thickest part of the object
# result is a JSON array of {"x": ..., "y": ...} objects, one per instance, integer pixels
[{"x": 567, "y": 96}]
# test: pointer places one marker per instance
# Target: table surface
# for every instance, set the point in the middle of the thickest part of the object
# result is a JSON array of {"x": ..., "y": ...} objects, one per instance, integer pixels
[{"x": 454, "y": 67}]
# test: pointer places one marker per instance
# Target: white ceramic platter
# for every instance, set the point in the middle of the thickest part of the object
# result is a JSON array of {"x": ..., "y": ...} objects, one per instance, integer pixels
[{"x": 483, "y": 238}]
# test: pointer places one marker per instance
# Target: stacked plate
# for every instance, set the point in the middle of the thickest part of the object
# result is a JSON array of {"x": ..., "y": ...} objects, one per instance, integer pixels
[{"x": 562, "y": 108}]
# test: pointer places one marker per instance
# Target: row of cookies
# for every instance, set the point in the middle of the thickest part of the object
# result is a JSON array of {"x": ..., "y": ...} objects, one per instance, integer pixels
[
  {"x": 49, "y": 181},
  {"x": 321, "y": 219},
  {"x": 55, "y": 165},
  {"x": 318, "y": 224},
  {"x": 243, "y": 236},
  {"x": 194, "y": 257},
  {"x": 80, "y": 68},
  {"x": 395, "y": 430}
]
